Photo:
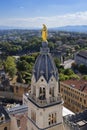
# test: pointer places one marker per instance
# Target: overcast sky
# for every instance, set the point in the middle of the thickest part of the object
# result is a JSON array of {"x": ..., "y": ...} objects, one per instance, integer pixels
[{"x": 33, "y": 13}]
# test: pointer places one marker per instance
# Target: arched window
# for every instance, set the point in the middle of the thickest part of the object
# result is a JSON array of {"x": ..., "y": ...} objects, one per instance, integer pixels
[
  {"x": 51, "y": 91},
  {"x": 42, "y": 93},
  {"x": 18, "y": 122},
  {"x": 1, "y": 118},
  {"x": 5, "y": 128}
]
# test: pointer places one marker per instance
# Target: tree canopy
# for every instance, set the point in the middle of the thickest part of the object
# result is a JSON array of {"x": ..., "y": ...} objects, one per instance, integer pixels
[{"x": 10, "y": 66}]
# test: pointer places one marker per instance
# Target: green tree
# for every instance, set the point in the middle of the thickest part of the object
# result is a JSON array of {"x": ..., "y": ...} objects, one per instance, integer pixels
[
  {"x": 19, "y": 78},
  {"x": 85, "y": 77},
  {"x": 68, "y": 72},
  {"x": 10, "y": 66},
  {"x": 61, "y": 77},
  {"x": 27, "y": 77},
  {"x": 74, "y": 66},
  {"x": 57, "y": 62},
  {"x": 77, "y": 47},
  {"x": 51, "y": 45},
  {"x": 83, "y": 69},
  {"x": 1, "y": 63},
  {"x": 74, "y": 76}
]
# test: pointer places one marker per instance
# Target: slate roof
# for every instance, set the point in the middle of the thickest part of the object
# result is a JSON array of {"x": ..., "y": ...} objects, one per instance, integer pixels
[
  {"x": 79, "y": 119},
  {"x": 4, "y": 112},
  {"x": 45, "y": 66},
  {"x": 82, "y": 54},
  {"x": 18, "y": 109}
]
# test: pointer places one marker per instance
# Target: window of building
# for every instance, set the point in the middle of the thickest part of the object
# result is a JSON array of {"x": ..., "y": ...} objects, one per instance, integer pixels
[
  {"x": 18, "y": 122},
  {"x": 51, "y": 79},
  {"x": 65, "y": 97},
  {"x": 84, "y": 101},
  {"x": 33, "y": 115},
  {"x": 41, "y": 80},
  {"x": 51, "y": 91},
  {"x": 42, "y": 93},
  {"x": 80, "y": 99},
  {"x": 5, "y": 128},
  {"x": 68, "y": 99},
  {"x": 1, "y": 118},
  {"x": 52, "y": 118}
]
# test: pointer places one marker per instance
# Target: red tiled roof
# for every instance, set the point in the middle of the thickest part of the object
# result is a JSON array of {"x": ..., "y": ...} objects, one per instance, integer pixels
[{"x": 78, "y": 84}]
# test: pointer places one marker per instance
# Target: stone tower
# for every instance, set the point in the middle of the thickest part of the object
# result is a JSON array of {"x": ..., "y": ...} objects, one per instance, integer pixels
[{"x": 44, "y": 99}]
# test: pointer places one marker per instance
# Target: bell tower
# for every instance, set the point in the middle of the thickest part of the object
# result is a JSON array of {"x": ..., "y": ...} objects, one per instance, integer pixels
[{"x": 44, "y": 99}]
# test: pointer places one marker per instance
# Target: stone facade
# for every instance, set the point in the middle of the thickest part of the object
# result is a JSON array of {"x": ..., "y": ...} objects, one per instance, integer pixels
[
  {"x": 44, "y": 100},
  {"x": 19, "y": 90},
  {"x": 18, "y": 117},
  {"x": 5, "y": 126}
]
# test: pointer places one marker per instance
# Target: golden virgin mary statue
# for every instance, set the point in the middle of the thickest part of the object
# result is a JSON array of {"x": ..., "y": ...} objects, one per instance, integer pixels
[{"x": 44, "y": 33}]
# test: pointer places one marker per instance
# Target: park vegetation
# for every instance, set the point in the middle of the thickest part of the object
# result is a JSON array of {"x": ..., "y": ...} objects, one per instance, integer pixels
[
  {"x": 22, "y": 68},
  {"x": 26, "y": 44}
]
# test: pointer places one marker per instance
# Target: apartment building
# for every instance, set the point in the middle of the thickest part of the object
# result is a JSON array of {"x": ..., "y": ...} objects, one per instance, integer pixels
[{"x": 74, "y": 94}]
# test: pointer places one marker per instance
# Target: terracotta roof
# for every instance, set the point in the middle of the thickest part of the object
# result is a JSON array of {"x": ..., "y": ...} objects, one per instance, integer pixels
[{"x": 78, "y": 84}]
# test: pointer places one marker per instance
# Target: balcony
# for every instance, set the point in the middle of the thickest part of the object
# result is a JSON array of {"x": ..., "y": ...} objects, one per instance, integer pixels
[{"x": 45, "y": 102}]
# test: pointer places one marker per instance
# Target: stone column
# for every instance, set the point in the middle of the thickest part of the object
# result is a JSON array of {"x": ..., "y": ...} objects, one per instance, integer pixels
[{"x": 37, "y": 92}]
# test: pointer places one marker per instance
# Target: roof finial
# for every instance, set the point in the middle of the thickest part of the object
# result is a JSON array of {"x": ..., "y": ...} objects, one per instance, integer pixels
[{"x": 44, "y": 33}]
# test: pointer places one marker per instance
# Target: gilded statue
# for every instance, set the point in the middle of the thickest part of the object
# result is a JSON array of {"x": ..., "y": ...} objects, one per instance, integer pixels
[{"x": 44, "y": 33}]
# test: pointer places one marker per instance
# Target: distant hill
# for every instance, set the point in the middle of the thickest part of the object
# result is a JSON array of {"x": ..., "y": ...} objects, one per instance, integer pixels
[
  {"x": 6, "y": 27},
  {"x": 76, "y": 28},
  {"x": 14, "y": 27}
]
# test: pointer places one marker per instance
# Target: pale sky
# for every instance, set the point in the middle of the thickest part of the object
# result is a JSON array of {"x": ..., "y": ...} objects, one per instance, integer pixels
[{"x": 33, "y": 13}]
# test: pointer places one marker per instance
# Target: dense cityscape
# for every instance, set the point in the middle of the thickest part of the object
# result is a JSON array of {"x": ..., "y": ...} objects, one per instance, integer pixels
[
  {"x": 18, "y": 52},
  {"x": 43, "y": 65}
]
